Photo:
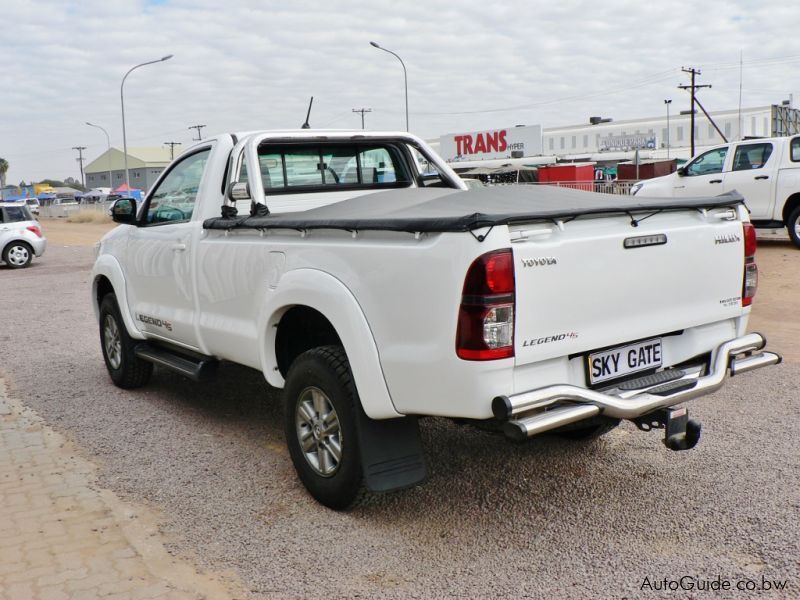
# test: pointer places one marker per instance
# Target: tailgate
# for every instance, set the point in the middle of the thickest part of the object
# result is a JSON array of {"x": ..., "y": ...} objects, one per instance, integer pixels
[{"x": 578, "y": 288}]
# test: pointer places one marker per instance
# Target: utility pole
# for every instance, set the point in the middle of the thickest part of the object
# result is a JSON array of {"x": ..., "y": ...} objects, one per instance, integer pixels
[
  {"x": 199, "y": 134},
  {"x": 362, "y": 111},
  {"x": 80, "y": 150},
  {"x": 667, "y": 103},
  {"x": 172, "y": 148},
  {"x": 693, "y": 87}
]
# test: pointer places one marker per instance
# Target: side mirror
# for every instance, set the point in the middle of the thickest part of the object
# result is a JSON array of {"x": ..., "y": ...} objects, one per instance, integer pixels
[
  {"x": 681, "y": 171},
  {"x": 431, "y": 179},
  {"x": 238, "y": 191},
  {"x": 123, "y": 211}
]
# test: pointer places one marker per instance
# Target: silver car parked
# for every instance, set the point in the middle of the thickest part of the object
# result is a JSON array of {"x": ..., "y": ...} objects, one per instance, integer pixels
[{"x": 21, "y": 235}]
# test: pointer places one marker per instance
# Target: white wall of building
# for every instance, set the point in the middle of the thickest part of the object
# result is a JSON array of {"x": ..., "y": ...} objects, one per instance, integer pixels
[{"x": 585, "y": 139}]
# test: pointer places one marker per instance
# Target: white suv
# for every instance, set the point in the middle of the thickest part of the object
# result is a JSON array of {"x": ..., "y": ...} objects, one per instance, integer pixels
[{"x": 21, "y": 236}]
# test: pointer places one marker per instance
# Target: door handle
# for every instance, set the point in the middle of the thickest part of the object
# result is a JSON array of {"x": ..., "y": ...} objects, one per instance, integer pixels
[
  {"x": 715, "y": 181},
  {"x": 180, "y": 247},
  {"x": 761, "y": 177}
]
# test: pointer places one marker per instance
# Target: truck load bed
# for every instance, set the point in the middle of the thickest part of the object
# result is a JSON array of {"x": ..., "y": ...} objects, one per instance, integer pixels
[{"x": 448, "y": 210}]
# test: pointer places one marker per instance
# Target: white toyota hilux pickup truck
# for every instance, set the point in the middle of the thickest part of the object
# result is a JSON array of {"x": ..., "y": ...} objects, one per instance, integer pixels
[
  {"x": 375, "y": 291},
  {"x": 766, "y": 172}
]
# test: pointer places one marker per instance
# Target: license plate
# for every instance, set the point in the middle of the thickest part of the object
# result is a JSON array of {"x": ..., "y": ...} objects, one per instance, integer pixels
[{"x": 624, "y": 360}]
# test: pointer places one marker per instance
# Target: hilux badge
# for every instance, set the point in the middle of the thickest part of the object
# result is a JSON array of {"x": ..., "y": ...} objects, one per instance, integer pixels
[{"x": 729, "y": 238}]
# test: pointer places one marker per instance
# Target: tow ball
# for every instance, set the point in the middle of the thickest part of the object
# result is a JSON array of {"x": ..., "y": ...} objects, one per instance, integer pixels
[{"x": 680, "y": 432}]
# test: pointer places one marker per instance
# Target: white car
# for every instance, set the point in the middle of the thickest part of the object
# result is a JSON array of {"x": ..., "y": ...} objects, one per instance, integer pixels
[
  {"x": 21, "y": 235},
  {"x": 33, "y": 205}
]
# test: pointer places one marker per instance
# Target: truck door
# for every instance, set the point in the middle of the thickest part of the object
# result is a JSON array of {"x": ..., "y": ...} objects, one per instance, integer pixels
[
  {"x": 161, "y": 293},
  {"x": 703, "y": 176},
  {"x": 753, "y": 175}
]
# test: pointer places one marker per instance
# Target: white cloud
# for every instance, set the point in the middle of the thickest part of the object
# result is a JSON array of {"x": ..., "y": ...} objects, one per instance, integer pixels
[{"x": 253, "y": 64}]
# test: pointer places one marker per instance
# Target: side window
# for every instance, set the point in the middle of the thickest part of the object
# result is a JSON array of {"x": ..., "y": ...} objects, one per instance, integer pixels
[
  {"x": 15, "y": 214},
  {"x": 707, "y": 163},
  {"x": 795, "y": 150},
  {"x": 751, "y": 156},
  {"x": 173, "y": 200}
]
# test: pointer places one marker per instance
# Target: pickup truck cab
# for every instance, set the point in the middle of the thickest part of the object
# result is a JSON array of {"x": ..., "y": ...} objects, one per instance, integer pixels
[
  {"x": 356, "y": 272},
  {"x": 766, "y": 172}
]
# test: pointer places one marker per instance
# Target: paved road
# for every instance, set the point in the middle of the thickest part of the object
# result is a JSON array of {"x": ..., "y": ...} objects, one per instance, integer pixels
[
  {"x": 62, "y": 538},
  {"x": 546, "y": 518}
]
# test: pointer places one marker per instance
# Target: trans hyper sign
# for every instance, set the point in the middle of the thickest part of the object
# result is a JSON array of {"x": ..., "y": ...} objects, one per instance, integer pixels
[{"x": 494, "y": 143}]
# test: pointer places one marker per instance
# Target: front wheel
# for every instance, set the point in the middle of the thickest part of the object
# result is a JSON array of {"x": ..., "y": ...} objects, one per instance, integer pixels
[
  {"x": 320, "y": 404},
  {"x": 793, "y": 225},
  {"x": 126, "y": 369}
]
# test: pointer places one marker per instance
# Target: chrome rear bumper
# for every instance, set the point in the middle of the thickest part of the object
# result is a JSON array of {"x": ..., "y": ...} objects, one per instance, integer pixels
[{"x": 539, "y": 410}]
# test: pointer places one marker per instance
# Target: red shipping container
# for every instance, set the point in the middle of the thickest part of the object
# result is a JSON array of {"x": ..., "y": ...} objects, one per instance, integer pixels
[{"x": 574, "y": 175}]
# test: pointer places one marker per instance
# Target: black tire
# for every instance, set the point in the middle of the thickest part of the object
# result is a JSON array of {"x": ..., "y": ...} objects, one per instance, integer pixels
[
  {"x": 125, "y": 368},
  {"x": 580, "y": 432},
  {"x": 325, "y": 369},
  {"x": 793, "y": 226},
  {"x": 18, "y": 255}
]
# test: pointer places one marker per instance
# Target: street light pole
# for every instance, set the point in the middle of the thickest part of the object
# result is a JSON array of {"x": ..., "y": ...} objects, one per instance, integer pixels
[
  {"x": 405, "y": 73},
  {"x": 667, "y": 102},
  {"x": 108, "y": 155},
  {"x": 122, "y": 104}
]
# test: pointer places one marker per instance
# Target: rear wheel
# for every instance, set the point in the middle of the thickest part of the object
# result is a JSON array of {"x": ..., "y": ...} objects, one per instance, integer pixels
[
  {"x": 18, "y": 255},
  {"x": 793, "y": 225},
  {"x": 320, "y": 403},
  {"x": 125, "y": 368}
]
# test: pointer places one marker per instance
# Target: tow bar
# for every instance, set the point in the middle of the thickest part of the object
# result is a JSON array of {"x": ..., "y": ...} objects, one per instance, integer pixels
[{"x": 680, "y": 432}]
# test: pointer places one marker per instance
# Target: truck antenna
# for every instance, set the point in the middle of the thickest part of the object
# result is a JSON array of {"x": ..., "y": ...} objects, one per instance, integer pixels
[{"x": 308, "y": 114}]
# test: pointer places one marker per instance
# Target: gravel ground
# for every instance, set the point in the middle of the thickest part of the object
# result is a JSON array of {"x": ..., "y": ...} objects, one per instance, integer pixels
[{"x": 546, "y": 518}]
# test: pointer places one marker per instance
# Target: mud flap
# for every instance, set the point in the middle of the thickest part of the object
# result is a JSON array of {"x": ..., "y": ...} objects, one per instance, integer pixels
[{"x": 391, "y": 453}]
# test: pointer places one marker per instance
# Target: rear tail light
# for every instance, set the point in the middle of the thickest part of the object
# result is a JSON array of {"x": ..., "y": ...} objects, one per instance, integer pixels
[
  {"x": 34, "y": 229},
  {"x": 486, "y": 315},
  {"x": 750, "y": 283}
]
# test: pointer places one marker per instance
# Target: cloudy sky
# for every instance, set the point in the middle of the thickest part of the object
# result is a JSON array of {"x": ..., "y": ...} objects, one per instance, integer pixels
[{"x": 252, "y": 64}]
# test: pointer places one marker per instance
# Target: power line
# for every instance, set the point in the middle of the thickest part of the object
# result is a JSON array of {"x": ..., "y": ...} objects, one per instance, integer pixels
[
  {"x": 362, "y": 111},
  {"x": 775, "y": 60},
  {"x": 172, "y": 148},
  {"x": 80, "y": 150},
  {"x": 199, "y": 134},
  {"x": 649, "y": 80}
]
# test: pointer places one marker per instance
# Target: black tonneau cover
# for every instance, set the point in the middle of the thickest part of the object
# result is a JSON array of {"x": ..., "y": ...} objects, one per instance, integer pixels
[{"x": 438, "y": 209}]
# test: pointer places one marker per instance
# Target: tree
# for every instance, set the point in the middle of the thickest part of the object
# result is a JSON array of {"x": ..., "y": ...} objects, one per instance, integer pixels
[
  {"x": 68, "y": 182},
  {"x": 3, "y": 171}
]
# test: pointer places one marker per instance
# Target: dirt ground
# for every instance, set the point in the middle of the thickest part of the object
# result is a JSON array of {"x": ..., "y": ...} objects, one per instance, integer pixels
[
  {"x": 61, "y": 233},
  {"x": 774, "y": 311},
  {"x": 548, "y": 518}
]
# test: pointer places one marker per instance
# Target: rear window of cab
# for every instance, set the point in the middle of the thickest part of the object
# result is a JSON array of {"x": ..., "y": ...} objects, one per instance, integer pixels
[{"x": 309, "y": 168}]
